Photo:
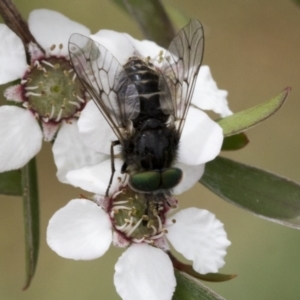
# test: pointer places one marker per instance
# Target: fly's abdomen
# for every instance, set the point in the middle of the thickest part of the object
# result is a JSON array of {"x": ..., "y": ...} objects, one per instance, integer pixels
[{"x": 145, "y": 78}]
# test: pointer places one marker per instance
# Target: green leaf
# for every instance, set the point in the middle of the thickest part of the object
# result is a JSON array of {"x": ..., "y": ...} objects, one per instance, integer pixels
[
  {"x": 244, "y": 120},
  {"x": 152, "y": 19},
  {"x": 190, "y": 289},
  {"x": 265, "y": 194},
  {"x": 10, "y": 183},
  {"x": 235, "y": 142},
  {"x": 31, "y": 218}
]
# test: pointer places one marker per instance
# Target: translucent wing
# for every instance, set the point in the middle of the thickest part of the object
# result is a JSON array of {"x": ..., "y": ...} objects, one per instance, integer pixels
[
  {"x": 180, "y": 70},
  {"x": 106, "y": 81}
]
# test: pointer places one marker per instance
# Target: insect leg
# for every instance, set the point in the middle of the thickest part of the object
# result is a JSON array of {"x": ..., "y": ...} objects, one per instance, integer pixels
[{"x": 112, "y": 158}]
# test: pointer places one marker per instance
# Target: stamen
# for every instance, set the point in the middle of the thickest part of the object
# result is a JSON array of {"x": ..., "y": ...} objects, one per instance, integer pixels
[
  {"x": 118, "y": 207},
  {"x": 59, "y": 115},
  {"x": 52, "y": 111},
  {"x": 80, "y": 99},
  {"x": 135, "y": 227},
  {"x": 32, "y": 94},
  {"x": 52, "y": 47},
  {"x": 31, "y": 88},
  {"x": 48, "y": 64},
  {"x": 159, "y": 223},
  {"x": 75, "y": 103},
  {"x": 155, "y": 237},
  {"x": 23, "y": 81},
  {"x": 117, "y": 193},
  {"x": 154, "y": 229},
  {"x": 122, "y": 227},
  {"x": 139, "y": 240},
  {"x": 145, "y": 217},
  {"x": 150, "y": 242},
  {"x": 121, "y": 202},
  {"x": 160, "y": 56},
  {"x": 125, "y": 180},
  {"x": 129, "y": 224}
]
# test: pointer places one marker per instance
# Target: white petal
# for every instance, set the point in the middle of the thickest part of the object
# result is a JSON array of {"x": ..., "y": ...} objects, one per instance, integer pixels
[
  {"x": 207, "y": 96},
  {"x": 12, "y": 56},
  {"x": 118, "y": 44},
  {"x": 201, "y": 139},
  {"x": 144, "y": 273},
  {"x": 199, "y": 237},
  {"x": 53, "y": 28},
  {"x": 95, "y": 179},
  {"x": 191, "y": 175},
  {"x": 70, "y": 153},
  {"x": 20, "y": 136},
  {"x": 95, "y": 131},
  {"x": 79, "y": 230}
]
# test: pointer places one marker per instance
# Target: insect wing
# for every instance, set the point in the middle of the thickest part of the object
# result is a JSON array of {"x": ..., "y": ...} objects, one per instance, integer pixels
[
  {"x": 106, "y": 81},
  {"x": 180, "y": 69}
]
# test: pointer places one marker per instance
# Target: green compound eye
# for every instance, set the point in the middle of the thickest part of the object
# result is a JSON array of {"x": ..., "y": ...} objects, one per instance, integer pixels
[
  {"x": 146, "y": 181},
  {"x": 170, "y": 178},
  {"x": 155, "y": 180}
]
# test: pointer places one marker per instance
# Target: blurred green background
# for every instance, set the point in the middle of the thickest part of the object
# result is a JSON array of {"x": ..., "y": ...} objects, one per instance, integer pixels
[{"x": 253, "y": 49}]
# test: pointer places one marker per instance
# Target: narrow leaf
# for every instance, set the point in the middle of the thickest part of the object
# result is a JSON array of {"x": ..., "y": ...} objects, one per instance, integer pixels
[
  {"x": 190, "y": 289},
  {"x": 31, "y": 218},
  {"x": 248, "y": 118},
  {"x": 235, "y": 142},
  {"x": 265, "y": 194},
  {"x": 10, "y": 183}
]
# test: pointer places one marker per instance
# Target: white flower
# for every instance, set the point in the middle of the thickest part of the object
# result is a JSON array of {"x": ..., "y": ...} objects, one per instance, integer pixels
[
  {"x": 84, "y": 230},
  {"x": 48, "y": 96}
]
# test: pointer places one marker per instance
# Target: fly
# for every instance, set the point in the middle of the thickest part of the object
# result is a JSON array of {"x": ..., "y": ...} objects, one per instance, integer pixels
[{"x": 146, "y": 107}]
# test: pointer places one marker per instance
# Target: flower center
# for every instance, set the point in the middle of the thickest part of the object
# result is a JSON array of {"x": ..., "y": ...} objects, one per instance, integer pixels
[
  {"x": 52, "y": 91},
  {"x": 140, "y": 217}
]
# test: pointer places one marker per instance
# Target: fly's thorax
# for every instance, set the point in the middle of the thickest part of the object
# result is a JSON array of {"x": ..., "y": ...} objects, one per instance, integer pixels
[{"x": 153, "y": 147}]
